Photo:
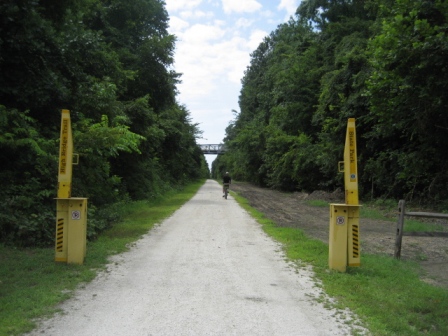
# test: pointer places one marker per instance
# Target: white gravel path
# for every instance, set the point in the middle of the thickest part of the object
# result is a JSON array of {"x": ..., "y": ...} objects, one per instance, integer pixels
[{"x": 207, "y": 270}]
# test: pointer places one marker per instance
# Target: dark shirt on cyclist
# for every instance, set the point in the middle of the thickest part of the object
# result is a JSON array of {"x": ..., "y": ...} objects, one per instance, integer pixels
[{"x": 226, "y": 179}]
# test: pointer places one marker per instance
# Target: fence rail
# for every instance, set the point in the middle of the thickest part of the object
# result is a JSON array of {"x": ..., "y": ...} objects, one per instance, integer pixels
[{"x": 400, "y": 226}]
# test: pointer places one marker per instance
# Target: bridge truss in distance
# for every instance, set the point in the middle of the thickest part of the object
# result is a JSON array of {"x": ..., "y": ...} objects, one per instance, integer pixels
[{"x": 213, "y": 149}]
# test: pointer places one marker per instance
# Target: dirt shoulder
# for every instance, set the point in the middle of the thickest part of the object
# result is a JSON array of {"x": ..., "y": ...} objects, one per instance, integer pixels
[{"x": 377, "y": 237}]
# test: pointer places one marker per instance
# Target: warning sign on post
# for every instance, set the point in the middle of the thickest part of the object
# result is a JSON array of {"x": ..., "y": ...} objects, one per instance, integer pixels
[
  {"x": 340, "y": 220},
  {"x": 76, "y": 215}
]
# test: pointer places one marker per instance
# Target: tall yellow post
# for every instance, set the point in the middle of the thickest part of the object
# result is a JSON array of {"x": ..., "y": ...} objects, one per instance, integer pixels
[
  {"x": 344, "y": 243},
  {"x": 350, "y": 165},
  {"x": 71, "y": 213},
  {"x": 351, "y": 194},
  {"x": 65, "y": 157}
]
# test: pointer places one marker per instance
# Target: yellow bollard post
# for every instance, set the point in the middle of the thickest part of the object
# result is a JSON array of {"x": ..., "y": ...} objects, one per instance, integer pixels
[
  {"x": 344, "y": 244},
  {"x": 337, "y": 259},
  {"x": 77, "y": 230},
  {"x": 71, "y": 213},
  {"x": 354, "y": 252},
  {"x": 65, "y": 157},
  {"x": 64, "y": 186},
  {"x": 350, "y": 165},
  {"x": 351, "y": 194},
  {"x": 61, "y": 230}
]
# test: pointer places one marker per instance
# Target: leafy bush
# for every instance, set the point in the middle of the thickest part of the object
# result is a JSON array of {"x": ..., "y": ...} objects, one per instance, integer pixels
[{"x": 111, "y": 67}]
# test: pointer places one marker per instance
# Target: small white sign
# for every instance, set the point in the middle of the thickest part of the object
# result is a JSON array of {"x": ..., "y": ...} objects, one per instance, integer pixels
[
  {"x": 76, "y": 215},
  {"x": 340, "y": 220}
]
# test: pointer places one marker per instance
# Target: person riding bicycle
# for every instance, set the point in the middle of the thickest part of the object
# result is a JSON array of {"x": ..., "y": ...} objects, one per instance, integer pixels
[{"x": 226, "y": 181}]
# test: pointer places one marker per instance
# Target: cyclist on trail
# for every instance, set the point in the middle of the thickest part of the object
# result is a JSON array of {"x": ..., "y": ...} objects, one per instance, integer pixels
[{"x": 226, "y": 181}]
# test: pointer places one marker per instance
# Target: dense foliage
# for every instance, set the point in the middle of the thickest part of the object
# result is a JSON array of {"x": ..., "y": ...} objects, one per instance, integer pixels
[
  {"x": 108, "y": 62},
  {"x": 383, "y": 62}
]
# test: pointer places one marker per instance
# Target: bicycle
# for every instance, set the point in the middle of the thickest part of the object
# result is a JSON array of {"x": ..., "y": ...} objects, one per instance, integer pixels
[{"x": 226, "y": 189}]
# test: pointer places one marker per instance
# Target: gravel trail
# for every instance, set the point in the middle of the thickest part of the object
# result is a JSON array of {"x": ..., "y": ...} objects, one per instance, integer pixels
[{"x": 209, "y": 269}]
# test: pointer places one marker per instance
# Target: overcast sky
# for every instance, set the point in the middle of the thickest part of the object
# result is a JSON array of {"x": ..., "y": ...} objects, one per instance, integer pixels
[{"x": 214, "y": 42}]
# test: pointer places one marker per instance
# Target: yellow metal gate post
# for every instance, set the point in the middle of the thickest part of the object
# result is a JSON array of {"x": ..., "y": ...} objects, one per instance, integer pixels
[
  {"x": 71, "y": 213},
  {"x": 77, "y": 230},
  {"x": 344, "y": 243},
  {"x": 337, "y": 258}
]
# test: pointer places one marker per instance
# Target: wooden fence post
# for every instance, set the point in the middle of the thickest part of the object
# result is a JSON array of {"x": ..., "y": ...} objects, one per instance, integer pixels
[{"x": 399, "y": 233}]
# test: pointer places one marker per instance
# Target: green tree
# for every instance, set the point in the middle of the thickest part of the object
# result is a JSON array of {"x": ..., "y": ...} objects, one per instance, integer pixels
[
  {"x": 108, "y": 62},
  {"x": 407, "y": 92},
  {"x": 27, "y": 189}
]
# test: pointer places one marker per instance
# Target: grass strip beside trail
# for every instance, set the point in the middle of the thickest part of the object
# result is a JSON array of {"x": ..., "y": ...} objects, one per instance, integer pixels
[
  {"x": 386, "y": 294},
  {"x": 32, "y": 284}
]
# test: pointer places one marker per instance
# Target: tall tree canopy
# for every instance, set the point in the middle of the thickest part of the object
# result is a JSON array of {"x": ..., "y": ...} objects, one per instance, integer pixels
[
  {"x": 109, "y": 62},
  {"x": 382, "y": 62}
]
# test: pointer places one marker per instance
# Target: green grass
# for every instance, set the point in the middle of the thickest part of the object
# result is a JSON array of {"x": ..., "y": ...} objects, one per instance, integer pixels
[
  {"x": 387, "y": 211},
  {"x": 32, "y": 284},
  {"x": 385, "y": 293},
  {"x": 367, "y": 211},
  {"x": 411, "y": 225}
]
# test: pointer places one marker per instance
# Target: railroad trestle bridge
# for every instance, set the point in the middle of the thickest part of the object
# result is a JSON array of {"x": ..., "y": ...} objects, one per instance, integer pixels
[{"x": 213, "y": 149}]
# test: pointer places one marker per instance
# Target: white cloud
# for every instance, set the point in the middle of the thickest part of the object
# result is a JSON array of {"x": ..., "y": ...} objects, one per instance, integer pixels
[
  {"x": 177, "y": 25},
  {"x": 209, "y": 55},
  {"x": 243, "y": 23},
  {"x": 290, "y": 6},
  {"x": 196, "y": 14},
  {"x": 175, "y": 5},
  {"x": 215, "y": 40},
  {"x": 256, "y": 37},
  {"x": 220, "y": 23},
  {"x": 240, "y": 6},
  {"x": 201, "y": 34},
  {"x": 232, "y": 57}
]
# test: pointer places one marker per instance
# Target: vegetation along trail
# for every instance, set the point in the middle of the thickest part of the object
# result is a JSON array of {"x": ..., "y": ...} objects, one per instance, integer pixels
[{"x": 207, "y": 270}]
